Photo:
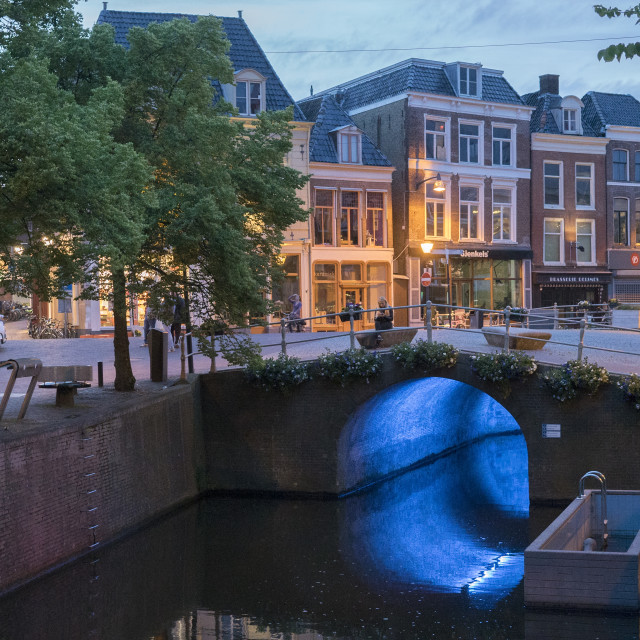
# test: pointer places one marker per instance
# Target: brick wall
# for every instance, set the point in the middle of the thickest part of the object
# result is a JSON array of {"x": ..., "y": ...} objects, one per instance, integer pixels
[{"x": 67, "y": 488}]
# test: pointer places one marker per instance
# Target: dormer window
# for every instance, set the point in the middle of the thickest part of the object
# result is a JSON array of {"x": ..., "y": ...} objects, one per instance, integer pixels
[
  {"x": 468, "y": 81},
  {"x": 570, "y": 120},
  {"x": 349, "y": 144},
  {"x": 249, "y": 92}
]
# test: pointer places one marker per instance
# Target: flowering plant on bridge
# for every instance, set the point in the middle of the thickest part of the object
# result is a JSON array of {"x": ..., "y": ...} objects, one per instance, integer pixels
[
  {"x": 425, "y": 355},
  {"x": 518, "y": 314},
  {"x": 503, "y": 367},
  {"x": 575, "y": 375},
  {"x": 350, "y": 365},
  {"x": 279, "y": 373},
  {"x": 631, "y": 388}
]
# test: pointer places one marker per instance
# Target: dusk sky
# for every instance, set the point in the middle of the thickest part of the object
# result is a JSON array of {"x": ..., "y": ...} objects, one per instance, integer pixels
[{"x": 289, "y": 30}]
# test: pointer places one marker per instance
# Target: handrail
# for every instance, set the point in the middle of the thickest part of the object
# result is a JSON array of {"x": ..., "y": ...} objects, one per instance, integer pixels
[{"x": 603, "y": 500}]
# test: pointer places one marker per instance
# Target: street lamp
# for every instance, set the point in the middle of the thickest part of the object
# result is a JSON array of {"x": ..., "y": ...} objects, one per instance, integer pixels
[
  {"x": 577, "y": 247},
  {"x": 438, "y": 185}
]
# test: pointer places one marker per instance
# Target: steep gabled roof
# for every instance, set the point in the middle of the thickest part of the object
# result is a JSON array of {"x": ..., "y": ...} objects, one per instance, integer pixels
[
  {"x": 420, "y": 76},
  {"x": 245, "y": 52},
  {"x": 542, "y": 120},
  {"x": 604, "y": 109},
  {"x": 328, "y": 116}
]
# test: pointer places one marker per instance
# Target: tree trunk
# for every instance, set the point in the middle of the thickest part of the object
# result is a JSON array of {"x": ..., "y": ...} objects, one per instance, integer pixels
[{"x": 125, "y": 380}]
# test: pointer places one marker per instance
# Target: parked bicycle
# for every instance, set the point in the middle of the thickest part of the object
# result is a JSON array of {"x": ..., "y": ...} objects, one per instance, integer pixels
[{"x": 47, "y": 328}]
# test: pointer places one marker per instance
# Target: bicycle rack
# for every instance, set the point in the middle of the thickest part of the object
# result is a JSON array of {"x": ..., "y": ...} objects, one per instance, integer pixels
[{"x": 20, "y": 368}]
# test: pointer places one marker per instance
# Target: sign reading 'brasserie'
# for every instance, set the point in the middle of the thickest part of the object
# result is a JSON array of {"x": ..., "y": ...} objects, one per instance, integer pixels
[{"x": 574, "y": 279}]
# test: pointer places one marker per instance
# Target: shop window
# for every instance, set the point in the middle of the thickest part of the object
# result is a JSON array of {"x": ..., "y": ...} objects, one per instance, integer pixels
[
  {"x": 378, "y": 285},
  {"x": 469, "y": 213},
  {"x": 553, "y": 196},
  {"x": 553, "y": 241},
  {"x": 349, "y": 211},
  {"x": 375, "y": 219},
  {"x": 620, "y": 165},
  {"x": 351, "y": 272},
  {"x": 502, "y": 215},
  {"x": 289, "y": 285},
  {"x": 584, "y": 186},
  {"x": 585, "y": 238},
  {"x": 620, "y": 221},
  {"x": 323, "y": 218},
  {"x": 325, "y": 291}
]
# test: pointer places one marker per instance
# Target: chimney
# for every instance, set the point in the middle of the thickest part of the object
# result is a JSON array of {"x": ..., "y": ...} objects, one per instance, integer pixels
[
  {"x": 550, "y": 83},
  {"x": 104, "y": 6},
  {"x": 240, "y": 14}
]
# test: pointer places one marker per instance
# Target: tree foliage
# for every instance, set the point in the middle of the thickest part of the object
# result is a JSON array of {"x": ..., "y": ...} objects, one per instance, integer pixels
[{"x": 616, "y": 51}]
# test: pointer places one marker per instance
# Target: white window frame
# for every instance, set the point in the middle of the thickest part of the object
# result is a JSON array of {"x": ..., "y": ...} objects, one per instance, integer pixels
[
  {"x": 569, "y": 123},
  {"x": 385, "y": 196},
  {"x": 348, "y": 136},
  {"x": 578, "y": 253},
  {"x": 628, "y": 231},
  {"x": 626, "y": 166},
  {"x": 560, "y": 185},
  {"x": 480, "y": 136},
  {"x": 561, "y": 241},
  {"x": 445, "y": 218},
  {"x": 339, "y": 214},
  {"x": 512, "y": 221},
  {"x": 447, "y": 136},
  {"x": 479, "y": 185},
  {"x": 592, "y": 194},
  {"x": 467, "y": 81},
  {"x": 512, "y": 143},
  {"x": 248, "y": 77},
  {"x": 333, "y": 191}
]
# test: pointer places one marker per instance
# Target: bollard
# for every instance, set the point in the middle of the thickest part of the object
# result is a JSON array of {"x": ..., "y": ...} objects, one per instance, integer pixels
[
  {"x": 428, "y": 323},
  {"x": 581, "y": 342},
  {"x": 183, "y": 361},
  {"x": 283, "y": 333},
  {"x": 100, "y": 375},
  {"x": 158, "y": 347},
  {"x": 507, "y": 315}
]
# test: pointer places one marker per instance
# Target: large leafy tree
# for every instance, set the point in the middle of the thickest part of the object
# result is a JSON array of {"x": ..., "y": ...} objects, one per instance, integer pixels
[
  {"x": 210, "y": 219},
  {"x": 626, "y": 49}
]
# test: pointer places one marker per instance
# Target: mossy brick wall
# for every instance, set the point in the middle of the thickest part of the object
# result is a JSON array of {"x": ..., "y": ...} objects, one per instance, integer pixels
[
  {"x": 115, "y": 471},
  {"x": 267, "y": 441}
]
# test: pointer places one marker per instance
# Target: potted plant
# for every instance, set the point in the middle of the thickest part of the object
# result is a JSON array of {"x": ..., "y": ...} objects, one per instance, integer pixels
[
  {"x": 518, "y": 314},
  {"x": 357, "y": 312},
  {"x": 613, "y": 303}
]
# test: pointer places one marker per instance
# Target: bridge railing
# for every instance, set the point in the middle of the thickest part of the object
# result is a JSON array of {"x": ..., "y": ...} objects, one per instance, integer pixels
[{"x": 439, "y": 318}]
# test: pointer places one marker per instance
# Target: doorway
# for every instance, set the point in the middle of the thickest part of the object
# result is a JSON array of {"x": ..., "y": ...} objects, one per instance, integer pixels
[{"x": 354, "y": 295}]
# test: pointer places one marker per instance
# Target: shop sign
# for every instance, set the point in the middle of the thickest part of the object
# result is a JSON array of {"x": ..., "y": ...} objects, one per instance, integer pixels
[
  {"x": 572, "y": 279},
  {"x": 474, "y": 254}
]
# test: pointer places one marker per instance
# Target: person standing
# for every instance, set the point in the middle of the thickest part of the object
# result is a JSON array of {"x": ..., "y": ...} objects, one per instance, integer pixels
[
  {"x": 178, "y": 319},
  {"x": 296, "y": 313},
  {"x": 149, "y": 323}
]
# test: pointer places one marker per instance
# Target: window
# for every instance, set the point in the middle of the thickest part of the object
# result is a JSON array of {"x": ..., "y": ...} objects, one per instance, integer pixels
[
  {"x": 620, "y": 165},
  {"x": 469, "y": 143},
  {"x": 435, "y": 139},
  {"x": 502, "y": 146},
  {"x": 375, "y": 219},
  {"x": 553, "y": 185},
  {"x": 323, "y": 218},
  {"x": 584, "y": 186},
  {"x": 501, "y": 214},
  {"x": 585, "y": 239},
  {"x": 469, "y": 213},
  {"x": 637, "y": 166},
  {"x": 638, "y": 222},
  {"x": 468, "y": 81},
  {"x": 291, "y": 282},
  {"x": 249, "y": 97},
  {"x": 620, "y": 221},
  {"x": 325, "y": 290},
  {"x": 350, "y": 148},
  {"x": 570, "y": 120},
  {"x": 553, "y": 241},
  {"x": 349, "y": 218}
]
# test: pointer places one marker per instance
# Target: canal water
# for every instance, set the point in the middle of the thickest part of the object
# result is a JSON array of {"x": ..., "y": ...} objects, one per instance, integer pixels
[{"x": 434, "y": 553}]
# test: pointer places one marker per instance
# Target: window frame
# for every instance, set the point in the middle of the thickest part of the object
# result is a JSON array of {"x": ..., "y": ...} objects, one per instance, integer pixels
[
  {"x": 615, "y": 165},
  {"x": 480, "y": 139},
  {"x": 480, "y": 215},
  {"x": 446, "y": 135},
  {"x": 637, "y": 221},
  {"x": 593, "y": 261},
  {"x": 350, "y": 136},
  {"x": 560, "y": 178},
  {"x": 512, "y": 144},
  {"x": 333, "y": 191},
  {"x": 512, "y": 218},
  {"x": 357, "y": 226},
  {"x": 560, "y": 235},
  {"x": 468, "y": 82},
  {"x": 567, "y": 112},
  {"x": 249, "y": 77},
  {"x": 383, "y": 211},
  {"x": 637, "y": 166},
  {"x": 616, "y": 223},
  {"x": 592, "y": 169}
]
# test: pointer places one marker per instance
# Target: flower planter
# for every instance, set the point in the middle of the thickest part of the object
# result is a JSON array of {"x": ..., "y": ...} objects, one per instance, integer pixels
[{"x": 344, "y": 316}]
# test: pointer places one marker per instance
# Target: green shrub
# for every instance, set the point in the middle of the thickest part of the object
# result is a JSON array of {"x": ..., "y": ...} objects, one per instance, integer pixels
[
  {"x": 281, "y": 373},
  {"x": 352, "y": 364},
  {"x": 575, "y": 376},
  {"x": 501, "y": 368},
  {"x": 631, "y": 388},
  {"x": 423, "y": 355}
]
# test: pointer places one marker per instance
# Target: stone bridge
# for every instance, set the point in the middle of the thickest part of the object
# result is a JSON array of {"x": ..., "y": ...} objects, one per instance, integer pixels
[{"x": 315, "y": 440}]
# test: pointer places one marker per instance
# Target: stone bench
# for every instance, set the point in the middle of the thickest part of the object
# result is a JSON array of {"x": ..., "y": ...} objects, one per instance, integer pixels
[
  {"x": 385, "y": 339},
  {"x": 520, "y": 339},
  {"x": 66, "y": 380}
]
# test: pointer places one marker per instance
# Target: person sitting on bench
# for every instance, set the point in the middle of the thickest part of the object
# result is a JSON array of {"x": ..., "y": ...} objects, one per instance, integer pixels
[{"x": 384, "y": 316}]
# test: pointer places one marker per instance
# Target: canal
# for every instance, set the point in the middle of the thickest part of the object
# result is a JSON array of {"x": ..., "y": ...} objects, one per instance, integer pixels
[{"x": 434, "y": 553}]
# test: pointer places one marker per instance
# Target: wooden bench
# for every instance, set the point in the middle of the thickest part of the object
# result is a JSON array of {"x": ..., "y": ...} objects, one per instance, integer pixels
[
  {"x": 385, "y": 339},
  {"x": 20, "y": 368},
  {"x": 66, "y": 380},
  {"x": 520, "y": 339}
]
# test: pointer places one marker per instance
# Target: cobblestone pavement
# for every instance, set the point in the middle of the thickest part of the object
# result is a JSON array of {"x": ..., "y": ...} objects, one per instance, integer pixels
[{"x": 90, "y": 351}]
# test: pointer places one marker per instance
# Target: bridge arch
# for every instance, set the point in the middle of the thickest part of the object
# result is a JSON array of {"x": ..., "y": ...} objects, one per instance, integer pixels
[{"x": 415, "y": 422}]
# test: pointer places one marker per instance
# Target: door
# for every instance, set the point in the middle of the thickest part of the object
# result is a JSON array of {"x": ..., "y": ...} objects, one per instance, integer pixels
[{"x": 354, "y": 295}]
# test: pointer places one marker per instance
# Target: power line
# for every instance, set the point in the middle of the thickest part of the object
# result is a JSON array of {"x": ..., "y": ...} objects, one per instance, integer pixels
[{"x": 466, "y": 46}]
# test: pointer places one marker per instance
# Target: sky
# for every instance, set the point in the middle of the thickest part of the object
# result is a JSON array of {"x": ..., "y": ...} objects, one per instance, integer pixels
[{"x": 292, "y": 32}]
